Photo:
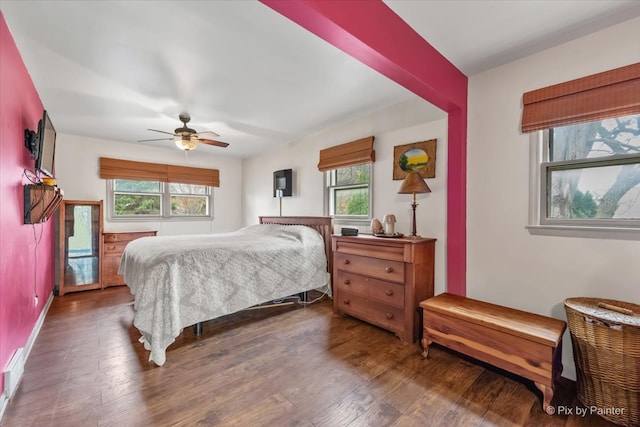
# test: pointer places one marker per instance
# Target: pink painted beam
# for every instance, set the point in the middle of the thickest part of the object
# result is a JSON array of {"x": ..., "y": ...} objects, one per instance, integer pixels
[{"x": 372, "y": 33}]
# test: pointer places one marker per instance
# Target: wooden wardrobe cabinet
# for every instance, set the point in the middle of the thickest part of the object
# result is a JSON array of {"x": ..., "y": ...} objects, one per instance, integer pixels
[
  {"x": 113, "y": 245},
  {"x": 79, "y": 252},
  {"x": 383, "y": 280}
]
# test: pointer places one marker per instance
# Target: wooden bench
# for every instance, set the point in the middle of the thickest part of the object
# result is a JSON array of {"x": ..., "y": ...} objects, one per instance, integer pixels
[{"x": 525, "y": 344}]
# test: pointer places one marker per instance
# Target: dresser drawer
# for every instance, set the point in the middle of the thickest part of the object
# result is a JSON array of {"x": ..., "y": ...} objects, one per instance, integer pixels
[
  {"x": 114, "y": 248},
  {"x": 371, "y": 267},
  {"x": 380, "y": 290},
  {"x": 383, "y": 315},
  {"x": 126, "y": 237},
  {"x": 389, "y": 251}
]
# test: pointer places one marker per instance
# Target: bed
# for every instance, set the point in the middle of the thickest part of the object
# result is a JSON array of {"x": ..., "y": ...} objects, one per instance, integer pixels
[{"x": 179, "y": 281}]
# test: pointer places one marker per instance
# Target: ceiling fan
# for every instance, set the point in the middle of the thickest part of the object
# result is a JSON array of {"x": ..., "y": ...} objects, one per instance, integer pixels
[{"x": 186, "y": 138}]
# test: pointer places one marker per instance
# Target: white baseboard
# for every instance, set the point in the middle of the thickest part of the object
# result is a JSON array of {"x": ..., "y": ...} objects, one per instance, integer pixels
[
  {"x": 15, "y": 368},
  {"x": 3, "y": 404},
  {"x": 13, "y": 373}
]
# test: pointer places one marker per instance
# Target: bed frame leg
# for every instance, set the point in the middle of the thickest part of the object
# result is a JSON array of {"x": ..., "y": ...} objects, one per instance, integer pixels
[
  {"x": 197, "y": 329},
  {"x": 304, "y": 296}
]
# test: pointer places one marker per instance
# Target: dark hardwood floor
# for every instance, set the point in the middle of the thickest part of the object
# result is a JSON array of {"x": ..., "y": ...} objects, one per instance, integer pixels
[{"x": 282, "y": 366}]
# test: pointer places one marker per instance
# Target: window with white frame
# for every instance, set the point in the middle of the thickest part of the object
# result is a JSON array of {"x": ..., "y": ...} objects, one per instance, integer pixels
[
  {"x": 134, "y": 199},
  {"x": 590, "y": 174},
  {"x": 585, "y": 153},
  {"x": 348, "y": 172},
  {"x": 348, "y": 193}
]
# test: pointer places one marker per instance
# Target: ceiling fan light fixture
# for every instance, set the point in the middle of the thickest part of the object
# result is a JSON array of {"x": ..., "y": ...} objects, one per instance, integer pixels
[{"x": 186, "y": 143}]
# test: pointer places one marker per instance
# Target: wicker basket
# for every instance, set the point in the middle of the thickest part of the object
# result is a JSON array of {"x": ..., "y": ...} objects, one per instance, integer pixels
[{"x": 605, "y": 335}]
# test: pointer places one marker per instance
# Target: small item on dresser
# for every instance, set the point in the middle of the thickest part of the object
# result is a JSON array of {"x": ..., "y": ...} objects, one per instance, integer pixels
[
  {"x": 376, "y": 226},
  {"x": 389, "y": 221},
  {"x": 394, "y": 235},
  {"x": 349, "y": 231}
]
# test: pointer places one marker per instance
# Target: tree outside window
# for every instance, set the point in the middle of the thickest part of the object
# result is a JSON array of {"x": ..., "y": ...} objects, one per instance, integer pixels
[
  {"x": 153, "y": 199},
  {"x": 593, "y": 171},
  {"x": 349, "y": 192}
]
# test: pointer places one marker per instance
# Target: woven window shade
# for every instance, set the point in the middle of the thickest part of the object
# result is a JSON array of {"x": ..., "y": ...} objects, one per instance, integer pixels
[
  {"x": 141, "y": 171},
  {"x": 613, "y": 93},
  {"x": 198, "y": 176},
  {"x": 350, "y": 154}
]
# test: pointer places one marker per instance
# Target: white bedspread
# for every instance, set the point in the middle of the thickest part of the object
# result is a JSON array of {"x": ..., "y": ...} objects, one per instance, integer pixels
[{"x": 179, "y": 281}]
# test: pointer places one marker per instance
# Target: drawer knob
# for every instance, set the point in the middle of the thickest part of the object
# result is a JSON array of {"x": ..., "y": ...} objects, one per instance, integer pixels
[
  {"x": 389, "y": 292},
  {"x": 389, "y": 316},
  {"x": 347, "y": 282},
  {"x": 389, "y": 269},
  {"x": 346, "y": 261},
  {"x": 346, "y": 301},
  {"x": 111, "y": 247}
]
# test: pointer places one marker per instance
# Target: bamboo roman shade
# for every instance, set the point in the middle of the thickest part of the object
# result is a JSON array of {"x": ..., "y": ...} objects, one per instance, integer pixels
[
  {"x": 350, "y": 154},
  {"x": 613, "y": 93},
  {"x": 141, "y": 171},
  {"x": 186, "y": 175}
]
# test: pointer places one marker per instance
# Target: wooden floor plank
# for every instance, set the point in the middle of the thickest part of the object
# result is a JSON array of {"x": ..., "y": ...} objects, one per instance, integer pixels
[{"x": 284, "y": 366}]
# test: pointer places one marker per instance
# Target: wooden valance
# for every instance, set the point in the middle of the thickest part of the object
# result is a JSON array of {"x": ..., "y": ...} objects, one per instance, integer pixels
[
  {"x": 613, "y": 93},
  {"x": 142, "y": 171},
  {"x": 350, "y": 154}
]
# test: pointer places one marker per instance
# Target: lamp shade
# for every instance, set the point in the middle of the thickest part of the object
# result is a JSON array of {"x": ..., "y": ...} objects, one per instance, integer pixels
[
  {"x": 414, "y": 183},
  {"x": 186, "y": 143}
]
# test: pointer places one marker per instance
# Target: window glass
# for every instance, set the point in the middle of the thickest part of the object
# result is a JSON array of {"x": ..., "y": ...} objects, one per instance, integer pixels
[
  {"x": 189, "y": 199},
  {"x": 137, "y": 186},
  {"x": 156, "y": 200},
  {"x": 593, "y": 173},
  {"x": 137, "y": 198},
  {"x": 352, "y": 175},
  {"x": 595, "y": 139},
  {"x": 351, "y": 201},
  {"x": 349, "y": 192}
]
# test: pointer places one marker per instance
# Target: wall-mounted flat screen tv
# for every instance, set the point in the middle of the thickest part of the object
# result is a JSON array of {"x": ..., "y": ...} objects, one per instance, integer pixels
[{"x": 46, "y": 143}]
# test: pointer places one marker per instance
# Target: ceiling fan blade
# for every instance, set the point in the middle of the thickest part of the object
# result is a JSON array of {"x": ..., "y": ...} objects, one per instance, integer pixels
[
  {"x": 156, "y": 139},
  {"x": 207, "y": 133},
  {"x": 161, "y": 131},
  {"x": 213, "y": 142}
]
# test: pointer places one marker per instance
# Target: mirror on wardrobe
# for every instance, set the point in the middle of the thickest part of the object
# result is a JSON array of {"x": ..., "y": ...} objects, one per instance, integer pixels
[{"x": 79, "y": 247}]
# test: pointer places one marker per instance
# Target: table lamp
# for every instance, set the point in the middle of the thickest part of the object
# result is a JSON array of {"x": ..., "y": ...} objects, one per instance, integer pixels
[{"x": 412, "y": 184}]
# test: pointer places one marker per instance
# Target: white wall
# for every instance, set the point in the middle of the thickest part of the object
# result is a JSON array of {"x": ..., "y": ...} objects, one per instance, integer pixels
[
  {"x": 407, "y": 122},
  {"x": 505, "y": 263},
  {"x": 77, "y": 173}
]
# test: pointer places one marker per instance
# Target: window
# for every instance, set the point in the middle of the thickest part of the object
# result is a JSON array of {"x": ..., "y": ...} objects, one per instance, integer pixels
[
  {"x": 348, "y": 189},
  {"x": 589, "y": 174},
  {"x": 129, "y": 199},
  {"x": 155, "y": 191},
  {"x": 348, "y": 192},
  {"x": 585, "y": 154}
]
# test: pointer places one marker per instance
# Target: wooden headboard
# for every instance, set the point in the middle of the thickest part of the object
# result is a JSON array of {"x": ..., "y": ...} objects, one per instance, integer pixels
[{"x": 322, "y": 224}]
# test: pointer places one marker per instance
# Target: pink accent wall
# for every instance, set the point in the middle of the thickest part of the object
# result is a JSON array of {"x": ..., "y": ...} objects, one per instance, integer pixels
[
  {"x": 373, "y": 34},
  {"x": 23, "y": 266}
]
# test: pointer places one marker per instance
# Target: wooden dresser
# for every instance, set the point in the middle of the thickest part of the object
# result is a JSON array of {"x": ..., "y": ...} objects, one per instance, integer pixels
[
  {"x": 113, "y": 245},
  {"x": 383, "y": 280}
]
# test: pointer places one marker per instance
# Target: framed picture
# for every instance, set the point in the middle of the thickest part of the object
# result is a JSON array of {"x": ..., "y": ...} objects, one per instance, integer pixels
[{"x": 420, "y": 156}]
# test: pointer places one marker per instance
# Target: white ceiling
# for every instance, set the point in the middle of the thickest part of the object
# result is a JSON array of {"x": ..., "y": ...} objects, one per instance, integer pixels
[{"x": 113, "y": 69}]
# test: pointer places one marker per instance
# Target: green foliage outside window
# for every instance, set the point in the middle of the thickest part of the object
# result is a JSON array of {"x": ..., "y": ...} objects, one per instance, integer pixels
[
  {"x": 134, "y": 204},
  {"x": 349, "y": 189},
  {"x": 583, "y": 205},
  {"x": 145, "y": 198}
]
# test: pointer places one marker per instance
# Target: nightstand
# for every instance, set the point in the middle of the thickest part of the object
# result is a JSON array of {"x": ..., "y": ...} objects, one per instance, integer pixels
[{"x": 383, "y": 280}]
